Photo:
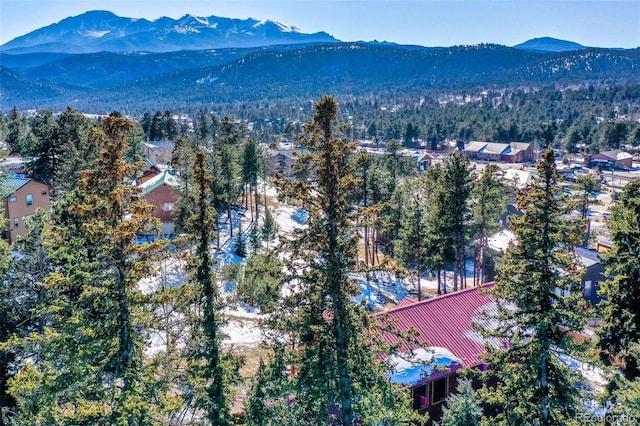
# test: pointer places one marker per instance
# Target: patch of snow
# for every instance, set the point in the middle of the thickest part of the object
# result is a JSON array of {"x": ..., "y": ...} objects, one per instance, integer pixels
[
  {"x": 169, "y": 272},
  {"x": 242, "y": 333},
  {"x": 411, "y": 367},
  {"x": 96, "y": 34},
  {"x": 501, "y": 240},
  {"x": 593, "y": 376}
]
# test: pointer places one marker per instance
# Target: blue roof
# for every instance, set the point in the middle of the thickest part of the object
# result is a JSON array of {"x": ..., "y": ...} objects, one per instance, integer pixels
[{"x": 11, "y": 183}]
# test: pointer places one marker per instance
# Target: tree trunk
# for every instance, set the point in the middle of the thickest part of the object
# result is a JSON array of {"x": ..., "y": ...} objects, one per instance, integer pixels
[
  {"x": 445, "y": 281},
  {"x": 229, "y": 217},
  {"x": 366, "y": 244},
  {"x": 218, "y": 231},
  {"x": 419, "y": 284},
  {"x": 544, "y": 385},
  {"x": 455, "y": 272}
]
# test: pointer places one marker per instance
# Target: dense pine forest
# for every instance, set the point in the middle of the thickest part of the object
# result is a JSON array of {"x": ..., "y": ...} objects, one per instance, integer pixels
[{"x": 94, "y": 330}]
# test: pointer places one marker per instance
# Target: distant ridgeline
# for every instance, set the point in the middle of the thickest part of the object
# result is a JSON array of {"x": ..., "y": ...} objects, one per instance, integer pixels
[{"x": 169, "y": 63}]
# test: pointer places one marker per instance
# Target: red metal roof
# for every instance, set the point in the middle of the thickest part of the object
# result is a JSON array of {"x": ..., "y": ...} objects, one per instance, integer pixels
[
  {"x": 443, "y": 321},
  {"x": 407, "y": 301}
]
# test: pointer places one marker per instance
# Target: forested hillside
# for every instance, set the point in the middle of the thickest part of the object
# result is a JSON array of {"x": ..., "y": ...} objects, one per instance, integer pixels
[{"x": 133, "y": 82}]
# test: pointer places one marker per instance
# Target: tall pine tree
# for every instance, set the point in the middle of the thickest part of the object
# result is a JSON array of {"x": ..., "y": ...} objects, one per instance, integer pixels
[
  {"x": 210, "y": 369},
  {"x": 339, "y": 378},
  {"x": 487, "y": 204},
  {"x": 540, "y": 305},
  {"x": 90, "y": 368}
]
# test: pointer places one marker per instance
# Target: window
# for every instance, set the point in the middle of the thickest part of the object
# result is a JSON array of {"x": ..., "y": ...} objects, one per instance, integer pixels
[
  {"x": 420, "y": 396},
  {"x": 439, "y": 390},
  {"x": 16, "y": 222},
  {"x": 587, "y": 288},
  {"x": 29, "y": 199},
  {"x": 12, "y": 199},
  {"x": 168, "y": 207}
]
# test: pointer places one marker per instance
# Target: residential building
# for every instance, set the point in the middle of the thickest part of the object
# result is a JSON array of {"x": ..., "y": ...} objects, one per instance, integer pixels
[
  {"x": 594, "y": 274},
  {"x": 446, "y": 342},
  {"x": 421, "y": 159},
  {"x": 159, "y": 152},
  {"x": 514, "y": 152},
  {"x": 21, "y": 197},
  {"x": 518, "y": 152},
  {"x": 617, "y": 158},
  {"x": 160, "y": 190},
  {"x": 519, "y": 178},
  {"x": 283, "y": 162},
  {"x": 472, "y": 149}
]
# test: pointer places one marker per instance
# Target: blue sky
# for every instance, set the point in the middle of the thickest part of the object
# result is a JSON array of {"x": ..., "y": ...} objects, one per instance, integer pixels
[{"x": 601, "y": 23}]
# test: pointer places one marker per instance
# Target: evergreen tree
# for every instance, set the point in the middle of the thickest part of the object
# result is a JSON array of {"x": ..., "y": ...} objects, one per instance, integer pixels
[
  {"x": 135, "y": 149},
  {"x": 268, "y": 401},
  {"x": 90, "y": 368},
  {"x": 463, "y": 408},
  {"x": 241, "y": 245},
  {"x": 251, "y": 163},
  {"x": 269, "y": 229},
  {"x": 457, "y": 181},
  {"x": 260, "y": 284},
  {"x": 254, "y": 239},
  {"x": 210, "y": 369},
  {"x": 145, "y": 123},
  {"x": 155, "y": 127},
  {"x": 12, "y": 315},
  {"x": 440, "y": 247},
  {"x": 621, "y": 295},
  {"x": 182, "y": 159},
  {"x": 340, "y": 376},
  {"x": 79, "y": 152},
  {"x": 411, "y": 245},
  {"x": 45, "y": 153},
  {"x": 202, "y": 126},
  {"x": 540, "y": 305},
  {"x": 488, "y": 204},
  {"x": 169, "y": 126},
  {"x": 226, "y": 167},
  {"x": 363, "y": 163},
  {"x": 16, "y": 132}
]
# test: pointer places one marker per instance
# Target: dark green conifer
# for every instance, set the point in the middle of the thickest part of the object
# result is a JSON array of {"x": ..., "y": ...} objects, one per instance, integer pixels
[
  {"x": 540, "y": 306},
  {"x": 339, "y": 377},
  {"x": 210, "y": 370}
]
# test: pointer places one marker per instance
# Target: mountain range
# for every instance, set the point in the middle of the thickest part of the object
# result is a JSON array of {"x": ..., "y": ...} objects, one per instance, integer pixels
[
  {"x": 264, "y": 60},
  {"x": 103, "y": 31}
]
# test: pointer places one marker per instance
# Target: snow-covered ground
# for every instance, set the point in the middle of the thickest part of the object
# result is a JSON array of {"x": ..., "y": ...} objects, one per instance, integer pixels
[{"x": 377, "y": 290}]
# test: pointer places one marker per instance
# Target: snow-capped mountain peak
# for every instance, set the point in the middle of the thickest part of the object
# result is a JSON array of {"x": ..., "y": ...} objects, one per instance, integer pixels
[{"x": 97, "y": 31}]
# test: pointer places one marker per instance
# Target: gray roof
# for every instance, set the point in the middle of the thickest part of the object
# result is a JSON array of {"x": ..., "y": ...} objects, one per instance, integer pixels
[
  {"x": 495, "y": 148},
  {"x": 11, "y": 183},
  {"x": 475, "y": 146},
  {"x": 617, "y": 154}
]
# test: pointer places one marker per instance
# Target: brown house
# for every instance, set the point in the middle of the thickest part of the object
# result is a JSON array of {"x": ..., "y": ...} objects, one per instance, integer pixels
[
  {"x": 21, "y": 197},
  {"x": 283, "y": 162},
  {"x": 518, "y": 152},
  {"x": 160, "y": 190},
  {"x": 616, "y": 158},
  {"x": 514, "y": 152}
]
